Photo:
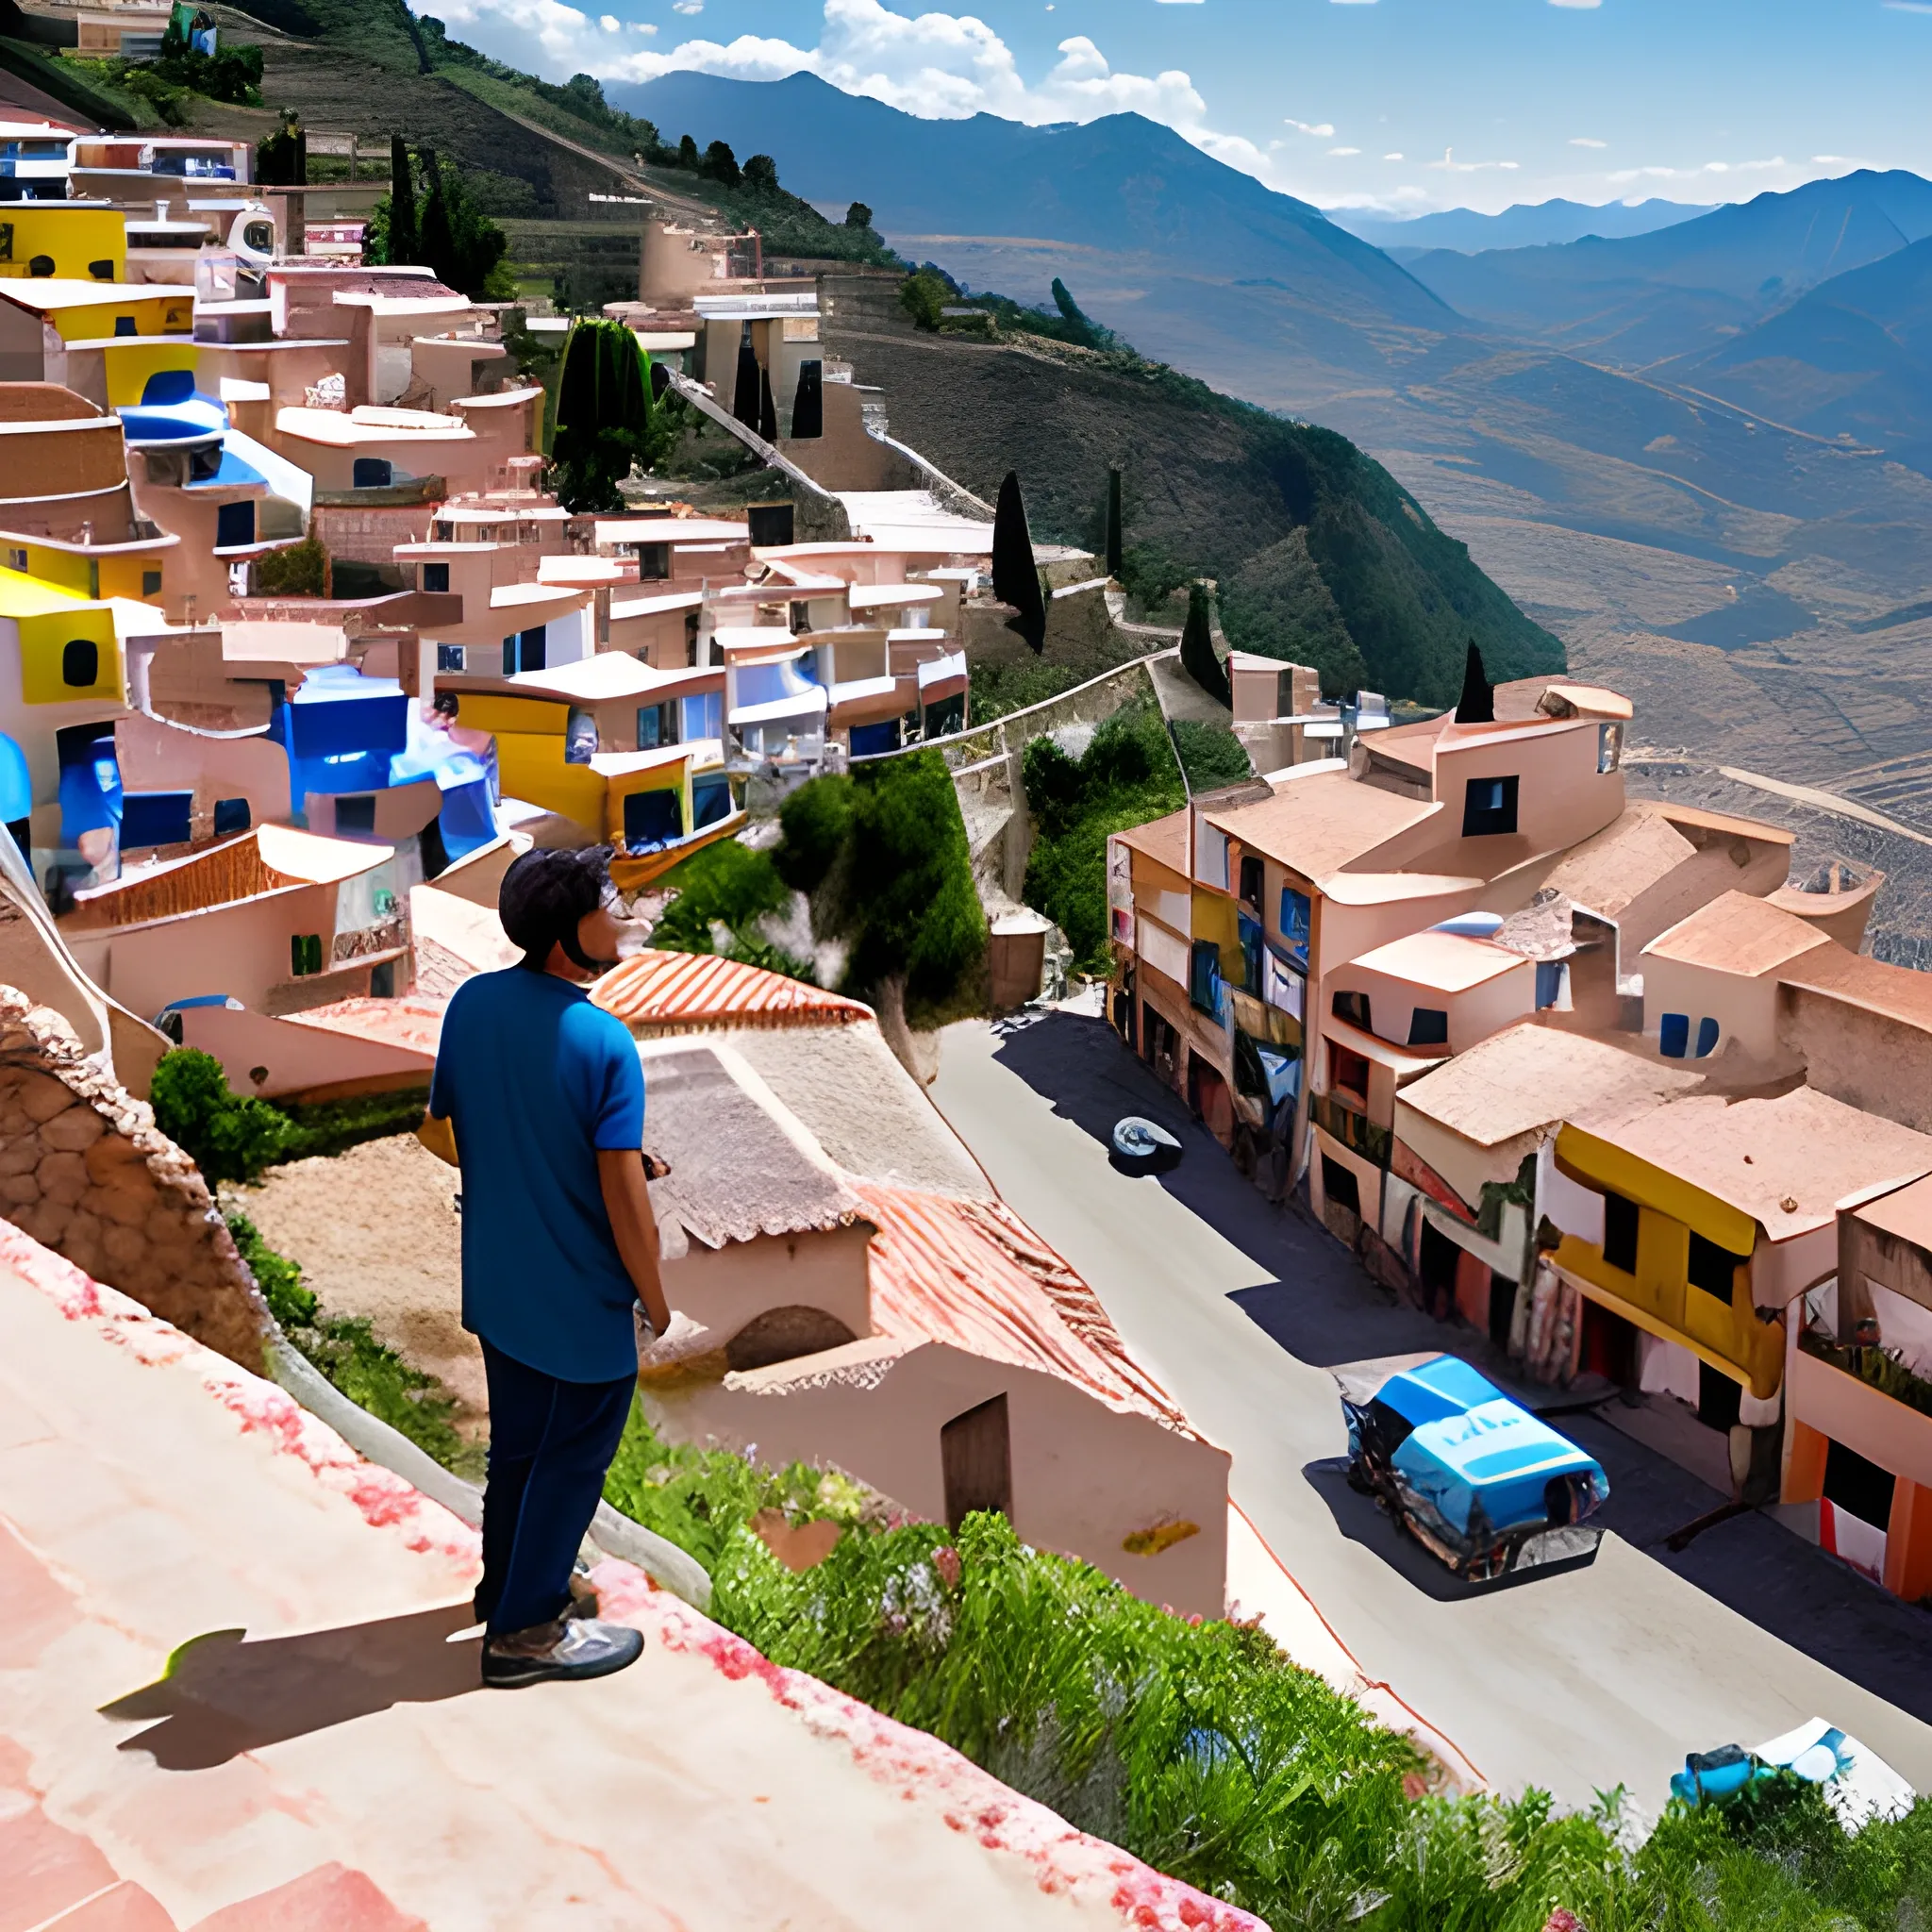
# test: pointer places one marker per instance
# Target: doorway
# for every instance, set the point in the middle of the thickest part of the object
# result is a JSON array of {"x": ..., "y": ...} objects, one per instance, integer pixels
[{"x": 976, "y": 1459}]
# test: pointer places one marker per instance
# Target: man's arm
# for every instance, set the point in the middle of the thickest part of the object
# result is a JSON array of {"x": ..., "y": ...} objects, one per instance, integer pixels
[{"x": 627, "y": 1201}]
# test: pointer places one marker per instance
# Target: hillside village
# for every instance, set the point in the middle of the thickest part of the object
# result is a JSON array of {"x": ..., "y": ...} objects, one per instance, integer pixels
[{"x": 329, "y": 590}]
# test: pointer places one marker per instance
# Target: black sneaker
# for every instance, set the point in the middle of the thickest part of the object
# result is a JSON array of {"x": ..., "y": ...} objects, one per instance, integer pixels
[{"x": 570, "y": 1648}]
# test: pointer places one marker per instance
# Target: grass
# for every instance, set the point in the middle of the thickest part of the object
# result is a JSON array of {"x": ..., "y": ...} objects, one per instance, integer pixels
[
  {"x": 370, "y": 1372},
  {"x": 1202, "y": 1749}
]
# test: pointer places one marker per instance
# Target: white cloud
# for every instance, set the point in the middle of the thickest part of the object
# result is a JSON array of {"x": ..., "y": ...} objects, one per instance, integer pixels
[
  {"x": 1322, "y": 130},
  {"x": 1908, "y": 5},
  {"x": 686, "y": 6},
  {"x": 1344, "y": 150},
  {"x": 1576, "y": 3},
  {"x": 1449, "y": 164},
  {"x": 610, "y": 23},
  {"x": 1656, "y": 174},
  {"x": 1392, "y": 157},
  {"x": 1584, "y": 141}
]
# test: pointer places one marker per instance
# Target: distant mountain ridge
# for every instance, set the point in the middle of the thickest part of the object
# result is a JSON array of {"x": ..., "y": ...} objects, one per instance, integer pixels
[{"x": 1527, "y": 225}]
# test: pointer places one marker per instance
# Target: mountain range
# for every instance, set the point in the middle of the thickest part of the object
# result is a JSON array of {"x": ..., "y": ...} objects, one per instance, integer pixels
[{"x": 1528, "y": 224}]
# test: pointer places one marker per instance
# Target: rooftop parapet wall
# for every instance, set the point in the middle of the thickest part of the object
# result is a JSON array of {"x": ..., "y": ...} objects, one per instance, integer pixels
[{"x": 84, "y": 1171}]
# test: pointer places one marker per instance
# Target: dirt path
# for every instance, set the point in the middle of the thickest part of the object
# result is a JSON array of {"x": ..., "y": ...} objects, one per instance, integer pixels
[{"x": 375, "y": 1232}]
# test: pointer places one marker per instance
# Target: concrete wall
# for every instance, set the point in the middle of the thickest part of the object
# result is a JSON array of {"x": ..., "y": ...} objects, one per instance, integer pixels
[
  {"x": 726, "y": 1288},
  {"x": 1086, "y": 1477},
  {"x": 1881, "y": 1065}
]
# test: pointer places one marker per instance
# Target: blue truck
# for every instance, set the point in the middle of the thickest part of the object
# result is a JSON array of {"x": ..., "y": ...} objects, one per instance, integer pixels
[{"x": 1474, "y": 1477}]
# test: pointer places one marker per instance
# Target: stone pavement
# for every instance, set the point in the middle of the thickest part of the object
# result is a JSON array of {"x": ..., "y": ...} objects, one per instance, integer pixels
[{"x": 236, "y": 1693}]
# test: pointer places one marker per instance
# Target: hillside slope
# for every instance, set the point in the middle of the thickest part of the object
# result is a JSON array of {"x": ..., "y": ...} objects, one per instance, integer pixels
[
  {"x": 1527, "y": 225},
  {"x": 1304, "y": 532}
]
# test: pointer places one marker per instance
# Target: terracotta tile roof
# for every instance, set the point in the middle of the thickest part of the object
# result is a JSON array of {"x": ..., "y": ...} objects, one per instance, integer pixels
[
  {"x": 412, "y": 1025},
  {"x": 973, "y": 1273},
  {"x": 685, "y": 992}
]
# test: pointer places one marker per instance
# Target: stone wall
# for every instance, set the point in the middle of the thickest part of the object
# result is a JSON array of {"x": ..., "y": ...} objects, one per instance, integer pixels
[{"x": 85, "y": 1172}]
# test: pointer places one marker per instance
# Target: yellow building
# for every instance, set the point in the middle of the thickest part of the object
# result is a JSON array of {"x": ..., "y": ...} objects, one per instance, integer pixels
[{"x": 59, "y": 241}]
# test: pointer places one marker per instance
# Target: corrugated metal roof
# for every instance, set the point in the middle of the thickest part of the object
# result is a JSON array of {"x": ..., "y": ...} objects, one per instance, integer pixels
[
  {"x": 973, "y": 1273},
  {"x": 656, "y": 991}
]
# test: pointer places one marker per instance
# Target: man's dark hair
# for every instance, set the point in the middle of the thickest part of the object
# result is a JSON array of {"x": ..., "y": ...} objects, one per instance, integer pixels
[{"x": 546, "y": 895}]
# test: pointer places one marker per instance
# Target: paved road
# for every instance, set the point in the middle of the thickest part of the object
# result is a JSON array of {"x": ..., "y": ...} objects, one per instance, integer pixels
[{"x": 1575, "y": 1682}]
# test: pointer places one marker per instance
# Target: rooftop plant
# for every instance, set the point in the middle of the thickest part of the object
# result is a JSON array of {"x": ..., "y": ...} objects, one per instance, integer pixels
[{"x": 1201, "y": 1748}]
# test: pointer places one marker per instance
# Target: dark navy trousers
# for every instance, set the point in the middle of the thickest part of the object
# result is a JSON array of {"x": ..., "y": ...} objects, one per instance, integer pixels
[{"x": 551, "y": 1443}]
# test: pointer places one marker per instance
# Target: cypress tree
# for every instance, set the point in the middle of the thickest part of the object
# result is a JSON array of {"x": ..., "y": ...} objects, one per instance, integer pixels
[
  {"x": 1477, "y": 703},
  {"x": 1197, "y": 648},
  {"x": 744, "y": 388},
  {"x": 1113, "y": 523},
  {"x": 768, "y": 409},
  {"x": 404, "y": 237},
  {"x": 439, "y": 246},
  {"x": 809, "y": 404},
  {"x": 1015, "y": 576}
]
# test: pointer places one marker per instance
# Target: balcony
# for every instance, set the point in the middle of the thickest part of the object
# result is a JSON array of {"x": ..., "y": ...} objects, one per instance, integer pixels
[{"x": 1352, "y": 1128}]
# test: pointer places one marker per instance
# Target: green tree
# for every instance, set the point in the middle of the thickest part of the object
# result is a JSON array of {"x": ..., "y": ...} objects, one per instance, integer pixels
[
  {"x": 720, "y": 165},
  {"x": 923, "y": 295},
  {"x": 282, "y": 158},
  {"x": 605, "y": 417},
  {"x": 761, "y": 174},
  {"x": 300, "y": 571},
  {"x": 442, "y": 230},
  {"x": 405, "y": 238},
  {"x": 687, "y": 152},
  {"x": 859, "y": 216}
]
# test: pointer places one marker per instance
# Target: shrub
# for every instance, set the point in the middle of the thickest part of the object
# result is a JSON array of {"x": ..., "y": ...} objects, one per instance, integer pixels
[
  {"x": 1126, "y": 776},
  {"x": 816, "y": 821},
  {"x": 229, "y": 1138},
  {"x": 761, "y": 174},
  {"x": 1210, "y": 754},
  {"x": 328, "y": 1126},
  {"x": 923, "y": 295},
  {"x": 729, "y": 884},
  {"x": 300, "y": 571},
  {"x": 372, "y": 1375}
]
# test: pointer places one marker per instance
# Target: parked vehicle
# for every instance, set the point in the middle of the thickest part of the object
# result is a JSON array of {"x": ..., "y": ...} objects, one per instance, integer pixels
[
  {"x": 1141, "y": 1147},
  {"x": 1474, "y": 1477},
  {"x": 1859, "y": 1783}
]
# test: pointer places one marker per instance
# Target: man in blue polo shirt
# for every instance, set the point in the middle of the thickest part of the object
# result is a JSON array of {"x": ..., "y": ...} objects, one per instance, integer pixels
[{"x": 545, "y": 1097}]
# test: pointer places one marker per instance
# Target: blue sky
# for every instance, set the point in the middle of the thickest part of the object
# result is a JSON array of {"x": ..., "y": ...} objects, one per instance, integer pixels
[{"x": 1400, "y": 104}]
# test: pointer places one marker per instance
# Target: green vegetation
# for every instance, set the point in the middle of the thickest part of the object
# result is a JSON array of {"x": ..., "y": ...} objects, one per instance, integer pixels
[
  {"x": 732, "y": 886},
  {"x": 96, "y": 89},
  {"x": 229, "y": 1138},
  {"x": 883, "y": 858},
  {"x": 232, "y": 73},
  {"x": 233, "y": 1137},
  {"x": 443, "y": 231},
  {"x": 372, "y": 1375},
  {"x": 1883, "y": 1369},
  {"x": 1126, "y": 776},
  {"x": 1200, "y": 1748},
  {"x": 1065, "y": 322},
  {"x": 1278, "y": 605},
  {"x": 605, "y": 417},
  {"x": 300, "y": 571}
]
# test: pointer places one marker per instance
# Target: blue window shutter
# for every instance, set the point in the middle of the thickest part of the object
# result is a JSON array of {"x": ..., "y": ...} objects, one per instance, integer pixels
[
  {"x": 1706, "y": 1037},
  {"x": 1673, "y": 1035}
]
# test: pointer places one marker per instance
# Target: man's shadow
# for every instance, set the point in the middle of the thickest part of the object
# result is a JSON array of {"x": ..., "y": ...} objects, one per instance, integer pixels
[{"x": 221, "y": 1694}]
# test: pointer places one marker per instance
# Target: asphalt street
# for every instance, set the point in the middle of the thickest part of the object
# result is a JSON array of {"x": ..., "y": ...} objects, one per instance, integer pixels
[{"x": 1577, "y": 1682}]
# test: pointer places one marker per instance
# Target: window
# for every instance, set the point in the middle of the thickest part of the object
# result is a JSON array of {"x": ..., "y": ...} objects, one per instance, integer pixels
[
  {"x": 449, "y": 657},
  {"x": 711, "y": 800},
  {"x": 124, "y": 325},
  {"x": 103, "y": 272},
  {"x": 234, "y": 526},
  {"x": 1859, "y": 1486},
  {"x": 1620, "y": 1233},
  {"x": 652, "y": 820},
  {"x": 1349, "y": 1070},
  {"x": 259, "y": 237},
  {"x": 231, "y": 816},
  {"x": 150, "y": 583},
  {"x": 656, "y": 726},
  {"x": 1706, "y": 1039},
  {"x": 1340, "y": 1186},
  {"x": 524, "y": 652},
  {"x": 1609, "y": 747},
  {"x": 702, "y": 717},
  {"x": 155, "y": 817},
  {"x": 1354, "y": 1008},
  {"x": 654, "y": 562},
  {"x": 580, "y": 736},
  {"x": 1717, "y": 1398},
  {"x": 1203, "y": 975},
  {"x": 304, "y": 953},
  {"x": 1295, "y": 925},
  {"x": 436, "y": 578},
  {"x": 800, "y": 619},
  {"x": 1712, "y": 1267},
  {"x": 1673, "y": 1035},
  {"x": 1250, "y": 882},
  {"x": 382, "y": 980},
  {"x": 16, "y": 558},
  {"x": 371, "y": 473},
  {"x": 80, "y": 664},
  {"x": 1428, "y": 1026},
  {"x": 355, "y": 812},
  {"x": 1489, "y": 807}
]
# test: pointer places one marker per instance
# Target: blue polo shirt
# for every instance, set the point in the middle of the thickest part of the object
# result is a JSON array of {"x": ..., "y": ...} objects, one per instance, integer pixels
[{"x": 535, "y": 1080}]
